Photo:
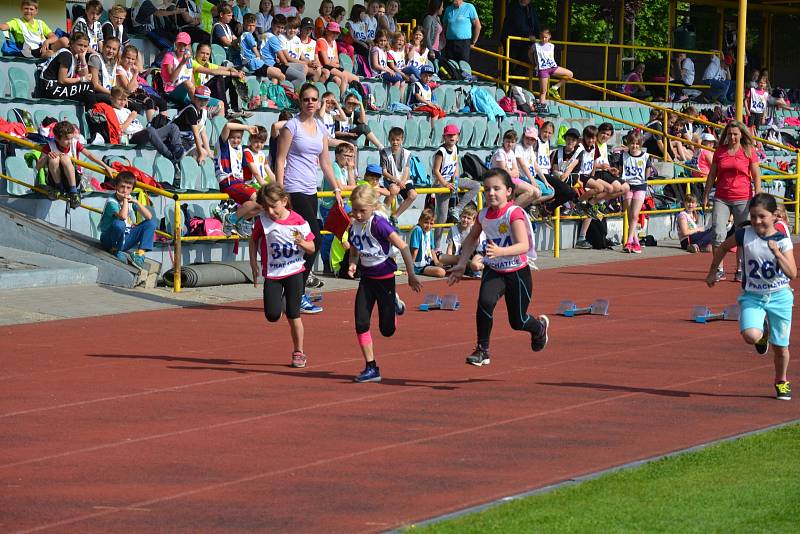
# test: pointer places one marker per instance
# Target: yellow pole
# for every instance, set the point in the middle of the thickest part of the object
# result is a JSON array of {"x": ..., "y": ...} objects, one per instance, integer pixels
[
  {"x": 605, "y": 73},
  {"x": 176, "y": 262},
  {"x": 741, "y": 37},
  {"x": 625, "y": 226},
  {"x": 557, "y": 232},
  {"x": 665, "y": 129}
]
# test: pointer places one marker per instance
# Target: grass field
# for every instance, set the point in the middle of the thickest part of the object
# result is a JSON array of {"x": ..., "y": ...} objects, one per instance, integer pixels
[{"x": 748, "y": 485}]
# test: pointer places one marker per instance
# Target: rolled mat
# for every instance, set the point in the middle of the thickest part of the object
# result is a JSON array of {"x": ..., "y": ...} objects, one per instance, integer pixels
[{"x": 218, "y": 273}]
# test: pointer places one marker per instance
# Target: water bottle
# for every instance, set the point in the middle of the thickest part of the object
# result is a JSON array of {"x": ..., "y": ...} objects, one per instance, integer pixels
[{"x": 263, "y": 93}]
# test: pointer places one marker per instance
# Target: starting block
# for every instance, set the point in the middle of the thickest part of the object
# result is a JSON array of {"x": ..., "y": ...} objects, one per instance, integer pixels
[
  {"x": 568, "y": 308},
  {"x": 434, "y": 302},
  {"x": 703, "y": 314}
]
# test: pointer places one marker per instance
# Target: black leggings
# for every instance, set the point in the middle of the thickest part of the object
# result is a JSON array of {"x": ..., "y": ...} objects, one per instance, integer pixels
[
  {"x": 306, "y": 206},
  {"x": 280, "y": 293},
  {"x": 516, "y": 287},
  {"x": 219, "y": 85},
  {"x": 563, "y": 192},
  {"x": 380, "y": 290}
]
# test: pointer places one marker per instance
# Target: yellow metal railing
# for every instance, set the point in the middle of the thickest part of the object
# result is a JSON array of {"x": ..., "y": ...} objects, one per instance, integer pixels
[
  {"x": 406, "y": 28},
  {"x": 607, "y": 47}
]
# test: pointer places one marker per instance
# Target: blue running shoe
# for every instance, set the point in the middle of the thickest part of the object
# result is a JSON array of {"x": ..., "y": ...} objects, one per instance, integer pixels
[
  {"x": 369, "y": 374},
  {"x": 399, "y": 305},
  {"x": 306, "y": 306}
]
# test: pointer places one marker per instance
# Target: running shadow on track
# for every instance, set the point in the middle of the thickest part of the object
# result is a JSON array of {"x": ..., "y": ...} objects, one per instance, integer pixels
[
  {"x": 446, "y": 385},
  {"x": 166, "y": 358},
  {"x": 649, "y": 391},
  {"x": 642, "y": 276}
]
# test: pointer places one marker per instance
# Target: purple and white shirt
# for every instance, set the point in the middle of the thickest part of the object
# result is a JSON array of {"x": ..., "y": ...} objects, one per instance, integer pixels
[{"x": 371, "y": 240}]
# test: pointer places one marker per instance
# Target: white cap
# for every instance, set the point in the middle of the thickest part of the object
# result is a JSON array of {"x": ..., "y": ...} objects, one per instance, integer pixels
[{"x": 708, "y": 137}]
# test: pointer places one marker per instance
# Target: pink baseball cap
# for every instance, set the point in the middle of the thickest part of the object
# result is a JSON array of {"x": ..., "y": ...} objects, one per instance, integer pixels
[
  {"x": 201, "y": 91},
  {"x": 184, "y": 38},
  {"x": 333, "y": 27},
  {"x": 531, "y": 132},
  {"x": 451, "y": 129}
]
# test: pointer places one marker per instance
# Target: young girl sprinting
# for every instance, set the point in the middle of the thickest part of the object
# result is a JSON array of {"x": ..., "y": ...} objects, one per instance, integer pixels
[
  {"x": 371, "y": 239},
  {"x": 509, "y": 246},
  {"x": 636, "y": 167},
  {"x": 282, "y": 237},
  {"x": 768, "y": 265}
]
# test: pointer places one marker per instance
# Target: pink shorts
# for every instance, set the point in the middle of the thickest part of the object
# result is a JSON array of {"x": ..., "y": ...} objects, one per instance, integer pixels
[
  {"x": 546, "y": 73},
  {"x": 240, "y": 192},
  {"x": 637, "y": 195}
]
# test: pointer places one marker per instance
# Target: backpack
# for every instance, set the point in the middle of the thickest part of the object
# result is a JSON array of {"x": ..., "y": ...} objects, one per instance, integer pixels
[
  {"x": 463, "y": 100},
  {"x": 472, "y": 166},
  {"x": 25, "y": 117},
  {"x": 277, "y": 94},
  {"x": 363, "y": 68},
  {"x": 417, "y": 172},
  {"x": 450, "y": 70},
  {"x": 205, "y": 226},
  {"x": 98, "y": 126},
  {"x": 485, "y": 103},
  {"x": 596, "y": 235},
  {"x": 140, "y": 175},
  {"x": 507, "y": 104}
]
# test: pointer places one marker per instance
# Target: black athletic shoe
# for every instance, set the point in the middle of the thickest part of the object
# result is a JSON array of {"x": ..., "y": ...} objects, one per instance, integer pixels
[
  {"x": 539, "y": 342},
  {"x": 313, "y": 282},
  {"x": 74, "y": 200},
  {"x": 479, "y": 357}
]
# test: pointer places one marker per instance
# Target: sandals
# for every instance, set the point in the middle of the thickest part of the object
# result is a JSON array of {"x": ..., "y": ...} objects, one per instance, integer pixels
[{"x": 298, "y": 359}]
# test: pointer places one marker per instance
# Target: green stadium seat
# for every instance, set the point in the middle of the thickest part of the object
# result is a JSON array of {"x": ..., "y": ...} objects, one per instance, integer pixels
[
  {"x": 492, "y": 133},
  {"x": 197, "y": 210},
  {"x": 18, "y": 169},
  {"x": 627, "y": 115},
  {"x": 69, "y": 115},
  {"x": 499, "y": 93},
  {"x": 424, "y": 132},
  {"x": 377, "y": 129},
  {"x": 191, "y": 175},
  {"x": 320, "y": 87},
  {"x": 208, "y": 176},
  {"x": 467, "y": 127},
  {"x": 218, "y": 54},
  {"x": 20, "y": 83},
  {"x": 163, "y": 170},
  {"x": 334, "y": 88},
  {"x": 215, "y": 128},
  {"x": 143, "y": 164},
  {"x": 94, "y": 223},
  {"x": 379, "y": 94},
  {"x": 253, "y": 87},
  {"x": 479, "y": 133},
  {"x": 38, "y": 116},
  {"x": 449, "y": 99},
  {"x": 346, "y": 62},
  {"x": 438, "y": 130},
  {"x": 393, "y": 95},
  {"x": 411, "y": 132}
]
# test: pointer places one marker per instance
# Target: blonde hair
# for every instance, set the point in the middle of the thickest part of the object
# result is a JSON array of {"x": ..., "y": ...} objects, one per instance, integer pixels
[
  {"x": 271, "y": 194},
  {"x": 426, "y": 216},
  {"x": 366, "y": 195},
  {"x": 470, "y": 210},
  {"x": 780, "y": 213},
  {"x": 747, "y": 138}
]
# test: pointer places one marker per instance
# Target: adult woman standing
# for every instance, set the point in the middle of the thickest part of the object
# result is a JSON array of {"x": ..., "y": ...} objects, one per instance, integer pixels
[
  {"x": 733, "y": 169},
  {"x": 432, "y": 24},
  {"x": 302, "y": 149}
]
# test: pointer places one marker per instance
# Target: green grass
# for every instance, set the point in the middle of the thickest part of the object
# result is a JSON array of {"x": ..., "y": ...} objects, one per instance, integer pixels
[{"x": 748, "y": 485}]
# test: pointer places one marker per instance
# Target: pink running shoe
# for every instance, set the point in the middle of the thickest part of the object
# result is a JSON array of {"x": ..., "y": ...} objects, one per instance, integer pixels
[
  {"x": 298, "y": 359},
  {"x": 637, "y": 248}
]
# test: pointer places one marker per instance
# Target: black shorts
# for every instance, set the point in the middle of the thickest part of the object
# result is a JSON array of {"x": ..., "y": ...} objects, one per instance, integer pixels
[
  {"x": 281, "y": 67},
  {"x": 638, "y": 187},
  {"x": 756, "y": 119},
  {"x": 36, "y": 52},
  {"x": 404, "y": 191},
  {"x": 607, "y": 177}
]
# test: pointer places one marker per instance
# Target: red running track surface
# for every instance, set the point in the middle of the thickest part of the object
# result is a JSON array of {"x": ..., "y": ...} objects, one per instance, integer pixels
[{"x": 198, "y": 424}]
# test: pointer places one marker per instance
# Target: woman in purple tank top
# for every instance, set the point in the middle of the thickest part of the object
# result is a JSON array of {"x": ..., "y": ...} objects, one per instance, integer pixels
[{"x": 302, "y": 149}]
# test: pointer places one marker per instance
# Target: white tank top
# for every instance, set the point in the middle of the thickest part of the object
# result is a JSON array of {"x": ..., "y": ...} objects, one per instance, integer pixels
[
  {"x": 382, "y": 58},
  {"x": 498, "y": 231},
  {"x": 424, "y": 91},
  {"x": 417, "y": 58},
  {"x": 260, "y": 161},
  {"x": 586, "y": 165},
  {"x": 761, "y": 272},
  {"x": 34, "y": 39},
  {"x": 758, "y": 101},
  {"x": 399, "y": 58},
  {"x": 308, "y": 51},
  {"x": 283, "y": 256},
  {"x": 634, "y": 168},
  {"x": 371, "y": 251},
  {"x": 543, "y": 156},
  {"x": 545, "y": 55},
  {"x": 449, "y": 162}
]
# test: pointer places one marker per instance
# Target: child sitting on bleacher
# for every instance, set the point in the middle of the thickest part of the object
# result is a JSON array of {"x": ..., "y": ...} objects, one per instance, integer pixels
[
  {"x": 257, "y": 171},
  {"x": 144, "y": 16},
  {"x": 372, "y": 177},
  {"x": 191, "y": 121},
  {"x": 420, "y": 242},
  {"x": 89, "y": 24},
  {"x": 220, "y": 80},
  {"x": 252, "y": 58},
  {"x": 57, "y": 158},
  {"x": 221, "y": 32},
  {"x": 118, "y": 234},
  {"x": 191, "y": 21},
  {"x": 141, "y": 97},
  {"x": 344, "y": 170},
  {"x": 291, "y": 46},
  {"x": 379, "y": 61},
  {"x": 32, "y": 36},
  {"x": 396, "y": 56},
  {"x": 508, "y": 158},
  {"x": 422, "y": 98},
  {"x": 456, "y": 236},
  {"x": 176, "y": 71},
  {"x": 352, "y": 123},
  {"x": 115, "y": 26},
  {"x": 103, "y": 69},
  {"x": 396, "y": 171},
  {"x": 230, "y": 170},
  {"x": 328, "y": 55},
  {"x": 306, "y": 47},
  {"x": 416, "y": 54},
  {"x": 66, "y": 74},
  {"x": 166, "y": 140}
]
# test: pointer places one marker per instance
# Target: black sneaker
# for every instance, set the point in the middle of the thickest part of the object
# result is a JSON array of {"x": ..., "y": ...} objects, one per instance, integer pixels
[
  {"x": 783, "y": 391},
  {"x": 539, "y": 342},
  {"x": 74, "y": 200},
  {"x": 479, "y": 356},
  {"x": 313, "y": 282},
  {"x": 762, "y": 345}
]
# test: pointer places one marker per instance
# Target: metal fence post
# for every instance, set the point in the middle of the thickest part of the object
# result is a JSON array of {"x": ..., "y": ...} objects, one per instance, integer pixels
[{"x": 176, "y": 262}]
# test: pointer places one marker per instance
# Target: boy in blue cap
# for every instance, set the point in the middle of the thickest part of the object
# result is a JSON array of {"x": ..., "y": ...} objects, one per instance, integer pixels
[{"x": 372, "y": 177}]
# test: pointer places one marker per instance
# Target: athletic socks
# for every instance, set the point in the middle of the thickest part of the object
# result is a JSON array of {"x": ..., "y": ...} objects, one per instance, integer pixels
[{"x": 371, "y": 365}]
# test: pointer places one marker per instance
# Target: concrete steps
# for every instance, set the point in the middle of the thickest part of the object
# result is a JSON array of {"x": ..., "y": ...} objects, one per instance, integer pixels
[{"x": 23, "y": 269}]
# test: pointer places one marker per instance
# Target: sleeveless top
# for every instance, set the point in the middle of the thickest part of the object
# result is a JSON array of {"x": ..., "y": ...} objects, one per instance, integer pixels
[
  {"x": 634, "y": 168},
  {"x": 280, "y": 255},
  {"x": 417, "y": 58},
  {"x": 228, "y": 163},
  {"x": 70, "y": 70},
  {"x": 758, "y": 101},
  {"x": 545, "y": 57},
  {"x": 259, "y": 159},
  {"x": 374, "y": 247},
  {"x": 543, "y": 156},
  {"x": 498, "y": 231},
  {"x": 761, "y": 273},
  {"x": 449, "y": 162},
  {"x": 398, "y": 57}
]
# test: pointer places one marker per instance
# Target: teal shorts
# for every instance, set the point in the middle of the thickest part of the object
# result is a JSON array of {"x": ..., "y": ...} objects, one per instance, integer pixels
[
  {"x": 775, "y": 307},
  {"x": 545, "y": 187},
  {"x": 180, "y": 95}
]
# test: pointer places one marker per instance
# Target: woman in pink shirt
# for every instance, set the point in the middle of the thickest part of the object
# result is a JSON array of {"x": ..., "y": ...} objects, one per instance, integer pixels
[{"x": 735, "y": 174}]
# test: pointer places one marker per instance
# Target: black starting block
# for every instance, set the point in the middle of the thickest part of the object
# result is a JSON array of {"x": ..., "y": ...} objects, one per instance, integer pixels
[
  {"x": 435, "y": 302},
  {"x": 704, "y": 314},
  {"x": 568, "y": 308}
]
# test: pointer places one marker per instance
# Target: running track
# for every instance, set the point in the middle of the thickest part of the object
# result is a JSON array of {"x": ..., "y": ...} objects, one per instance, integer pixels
[{"x": 199, "y": 425}]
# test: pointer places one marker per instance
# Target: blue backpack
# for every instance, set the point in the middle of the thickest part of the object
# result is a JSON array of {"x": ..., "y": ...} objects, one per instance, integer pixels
[
  {"x": 483, "y": 102},
  {"x": 417, "y": 172}
]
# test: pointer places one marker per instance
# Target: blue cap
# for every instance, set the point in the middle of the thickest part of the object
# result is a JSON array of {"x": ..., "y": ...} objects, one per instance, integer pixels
[
  {"x": 427, "y": 69},
  {"x": 374, "y": 168}
]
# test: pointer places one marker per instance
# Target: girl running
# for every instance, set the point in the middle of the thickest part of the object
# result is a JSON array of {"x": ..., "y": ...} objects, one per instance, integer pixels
[
  {"x": 282, "y": 237},
  {"x": 636, "y": 167},
  {"x": 509, "y": 249},
  {"x": 768, "y": 266},
  {"x": 371, "y": 239}
]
